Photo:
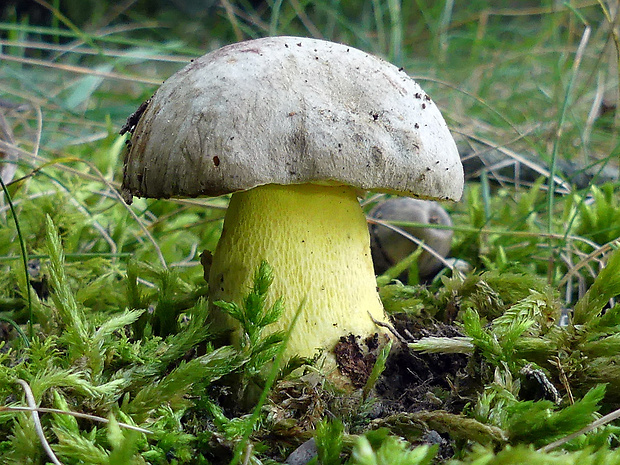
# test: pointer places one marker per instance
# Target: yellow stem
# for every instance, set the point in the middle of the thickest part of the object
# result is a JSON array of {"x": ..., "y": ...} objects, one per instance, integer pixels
[{"x": 316, "y": 239}]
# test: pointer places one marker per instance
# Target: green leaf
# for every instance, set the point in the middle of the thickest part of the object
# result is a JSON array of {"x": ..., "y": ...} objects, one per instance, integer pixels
[
  {"x": 72, "y": 316},
  {"x": 605, "y": 286},
  {"x": 377, "y": 368},
  {"x": 539, "y": 423},
  {"x": 393, "y": 451},
  {"x": 328, "y": 437},
  {"x": 172, "y": 388}
]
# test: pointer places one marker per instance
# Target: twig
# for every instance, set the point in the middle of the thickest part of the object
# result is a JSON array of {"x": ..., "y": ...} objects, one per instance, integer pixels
[
  {"x": 80, "y": 70},
  {"x": 108, "y": 184},
  {"x": 305, "y": 20},
  {"x": 37, "y": 423},
  {"x": 90, "y": 51},
  {"x": 37, "y": 140},
  {"x": 385, "y": 324},
  {"x": 7, "y": 157},
  {"x": 585, "y": 261},
  {"x": 500, "y": 232},
  {"x": 517, "y": 158},
  {"x": 18, "y": 408},
  {"x": 563, "y": 378},
  {"x": 189, "y": 260},
  {"x": 592, "y": 426},
  {"x": 232, "y": 19},
  {"x": 248, "y": 454},
  {"x": 250, "y": 18},
  {"x": 594, "y": 112},
  {"x": 415, "y": 240}
]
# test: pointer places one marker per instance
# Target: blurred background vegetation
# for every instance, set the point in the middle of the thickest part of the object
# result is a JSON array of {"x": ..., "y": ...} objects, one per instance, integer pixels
[
  {"x": 529, "y": 90},
  {"x": 518, "y": 82}
]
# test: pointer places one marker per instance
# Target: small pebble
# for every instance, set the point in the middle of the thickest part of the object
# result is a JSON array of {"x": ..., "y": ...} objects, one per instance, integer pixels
[{"x": 303, "y": 454}]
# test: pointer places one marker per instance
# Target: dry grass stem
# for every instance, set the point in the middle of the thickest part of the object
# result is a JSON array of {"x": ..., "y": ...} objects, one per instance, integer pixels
[
  {"x": 37, "y": 422},
  {"x": 591, "y": 427},
  {"x": 15, "y": 408},
  {"x": 79, "y": 70}
]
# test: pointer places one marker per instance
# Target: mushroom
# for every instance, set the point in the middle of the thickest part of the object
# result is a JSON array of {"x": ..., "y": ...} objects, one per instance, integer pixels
[
  {"x": 389, "y": 246},
  {"x": 296, "y": 129}
]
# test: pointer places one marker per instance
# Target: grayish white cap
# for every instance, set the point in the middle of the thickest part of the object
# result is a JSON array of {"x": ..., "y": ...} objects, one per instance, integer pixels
[{"x": 289, "y": 110}]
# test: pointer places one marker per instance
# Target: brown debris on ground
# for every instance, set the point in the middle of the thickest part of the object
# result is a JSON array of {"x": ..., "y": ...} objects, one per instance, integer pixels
[
  {"x": 413, "y": 381},
  {"x": 297, "y": 405},
  {"x": 355, "y": 361}
]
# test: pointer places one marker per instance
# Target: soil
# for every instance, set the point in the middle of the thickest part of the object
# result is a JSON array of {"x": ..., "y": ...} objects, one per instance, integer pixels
[
  {"x": 414, "y": 381},
  {"x": 355, "y": 361}
]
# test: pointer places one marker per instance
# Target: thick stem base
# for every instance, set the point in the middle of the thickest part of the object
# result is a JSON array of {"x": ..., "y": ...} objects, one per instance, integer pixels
[{"x": 316, "y": 239}]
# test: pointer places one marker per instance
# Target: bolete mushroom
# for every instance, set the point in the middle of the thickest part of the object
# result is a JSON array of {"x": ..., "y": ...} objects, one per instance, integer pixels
[
  {"x": 389, "y": 246},
  {"x": 295, "y": 129}
]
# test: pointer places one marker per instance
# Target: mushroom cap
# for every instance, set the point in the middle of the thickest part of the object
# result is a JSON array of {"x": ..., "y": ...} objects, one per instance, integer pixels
[{"x": 290, "y": 110}]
